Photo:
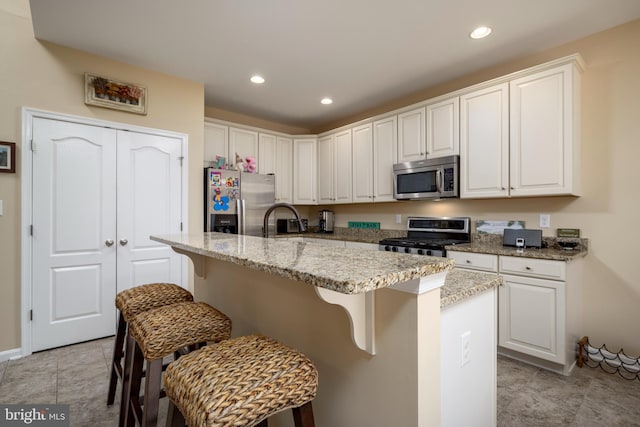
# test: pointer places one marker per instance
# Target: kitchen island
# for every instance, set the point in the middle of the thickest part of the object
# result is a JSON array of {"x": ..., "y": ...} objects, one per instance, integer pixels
[{"x": 379, "y": 364}]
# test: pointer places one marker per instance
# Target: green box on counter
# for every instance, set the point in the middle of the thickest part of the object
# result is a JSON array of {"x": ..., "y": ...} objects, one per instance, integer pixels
[
  {"x": 568, "y": 232},
  {"x": 362, "y": 224}
]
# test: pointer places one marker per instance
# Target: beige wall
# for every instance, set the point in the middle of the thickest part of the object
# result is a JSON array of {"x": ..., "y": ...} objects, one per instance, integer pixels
[
  {"x": 607, "y": 212},
  {"x": 49, "y": 77}
]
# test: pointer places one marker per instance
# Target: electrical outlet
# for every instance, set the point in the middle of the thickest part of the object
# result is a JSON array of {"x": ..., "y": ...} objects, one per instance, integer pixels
[
  {"x": 465, "y": 341},
  {"x": 398, "y": 219},
  {"x": 545, "y": 220}
]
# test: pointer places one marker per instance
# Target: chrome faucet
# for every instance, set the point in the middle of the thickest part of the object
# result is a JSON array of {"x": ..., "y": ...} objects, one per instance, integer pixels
[{"x": 265, "y": 224}]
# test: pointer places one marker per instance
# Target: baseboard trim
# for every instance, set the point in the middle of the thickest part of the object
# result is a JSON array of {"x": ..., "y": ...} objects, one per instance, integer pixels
[{"x": 10, "y": 354}]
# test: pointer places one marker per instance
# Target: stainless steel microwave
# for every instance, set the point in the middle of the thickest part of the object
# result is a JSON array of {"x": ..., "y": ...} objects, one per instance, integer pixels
[{"x": 427, "y": 179}]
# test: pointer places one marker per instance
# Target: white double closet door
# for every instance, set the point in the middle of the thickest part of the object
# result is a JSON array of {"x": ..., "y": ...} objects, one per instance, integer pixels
[{"x": 98, "y": 194}]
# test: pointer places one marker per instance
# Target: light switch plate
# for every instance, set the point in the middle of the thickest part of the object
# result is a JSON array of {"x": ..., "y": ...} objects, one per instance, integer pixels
[{"x": 545, "y": 220}]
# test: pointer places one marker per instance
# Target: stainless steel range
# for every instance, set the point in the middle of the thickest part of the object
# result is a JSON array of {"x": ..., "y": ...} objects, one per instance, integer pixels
[{"x": 429, "y": 236}]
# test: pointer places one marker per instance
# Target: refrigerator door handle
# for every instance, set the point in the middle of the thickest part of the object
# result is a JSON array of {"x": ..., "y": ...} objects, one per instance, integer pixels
[{"x": 241, "y": 216}]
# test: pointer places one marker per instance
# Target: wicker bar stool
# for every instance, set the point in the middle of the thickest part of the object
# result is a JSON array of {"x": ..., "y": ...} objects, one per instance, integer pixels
[
  {"x": 134, "y": 301},
  {"x": 240, "y": 382},
  {"x": 154, "y": 334}
]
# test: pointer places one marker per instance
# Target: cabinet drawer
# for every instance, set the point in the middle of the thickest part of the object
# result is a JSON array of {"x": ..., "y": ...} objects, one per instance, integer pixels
[
  {"x": 474, "y": 261},
  {"x": 543, "y": 268}
]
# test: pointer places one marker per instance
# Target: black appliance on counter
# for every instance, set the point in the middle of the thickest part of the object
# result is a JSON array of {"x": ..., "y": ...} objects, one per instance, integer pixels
[{"x": 429, "y": 236}]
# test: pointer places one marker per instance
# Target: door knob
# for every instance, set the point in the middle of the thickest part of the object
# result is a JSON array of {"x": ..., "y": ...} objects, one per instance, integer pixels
[
  {"x": 108, "y": 242},
  {"x": 123, "y": 242}
]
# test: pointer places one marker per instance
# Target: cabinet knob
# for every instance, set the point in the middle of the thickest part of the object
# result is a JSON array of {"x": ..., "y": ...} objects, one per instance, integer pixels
[
  {"x": 123, "y": 242},
  {"x": 468, "y": 261},
  {"x": 109, "y": 242},
  {"x": 511, "y": 188},
  {"x": 503, "y": 188},
  {"x": 527, "y": 268}
]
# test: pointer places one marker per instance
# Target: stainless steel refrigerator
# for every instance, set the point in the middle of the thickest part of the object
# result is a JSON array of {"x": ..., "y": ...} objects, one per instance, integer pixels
[{"x": 235, "y": 202}]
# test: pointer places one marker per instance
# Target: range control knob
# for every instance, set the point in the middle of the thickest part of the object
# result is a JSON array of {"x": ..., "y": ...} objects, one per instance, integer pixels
[
  {"x": 387, "y": 248},
  {"x": 420, "y": 252},
  {"x": 429, "y": 252},
  {"x": 394, "y": 249},
  {"x": 407, "y": 250}
]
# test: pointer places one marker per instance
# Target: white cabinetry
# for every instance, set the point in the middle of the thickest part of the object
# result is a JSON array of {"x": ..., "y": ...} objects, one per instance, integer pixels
[
  {"x": 267, "y": 153},
  {"x": 544, "y": 110},
  {"x": 276, "y": 157},
  {"x": 411, "y": 141},
  {"x": 484, "y": 142},
  {"x": 243, "y": 142},
  {"x": 539, "y": 307},
  {"x": 521, "y": 137},
  {"x": 216, "y": 142},
  {"x": 335, "y": 166},
  {"x": 443, "y": 127},
  {"x": 326, "y": 148},
  {"x": 385, "y": 152},
  {"x": 532, "y": 310},
  {"x": 363, "y": 176},
  {"x": 304, "y": 171}
]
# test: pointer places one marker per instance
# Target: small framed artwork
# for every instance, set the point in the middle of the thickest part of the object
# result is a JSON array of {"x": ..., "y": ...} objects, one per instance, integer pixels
[
  {"x": 109, "y": 93},
  {"x": 7, "y": 157}
]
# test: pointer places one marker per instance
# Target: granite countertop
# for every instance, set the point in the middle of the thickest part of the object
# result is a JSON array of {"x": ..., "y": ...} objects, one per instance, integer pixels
[
  {"x": 495, "y": 247},
  {"x": 342, "y": 270},
  {"x": 462, "y": 284}
]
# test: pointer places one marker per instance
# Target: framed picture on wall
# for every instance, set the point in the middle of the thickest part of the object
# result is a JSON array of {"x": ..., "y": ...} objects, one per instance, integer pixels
[
  {"x": 109, "y": 93},
  {"x": 7, "y": 157}
]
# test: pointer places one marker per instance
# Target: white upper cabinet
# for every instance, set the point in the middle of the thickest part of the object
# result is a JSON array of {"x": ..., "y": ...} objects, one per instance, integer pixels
[
  {"x": 484, "y": 142},
  {"x": 334, "y": 168},
  {"x": 363, "y": 177},
  {"x": 343, "y": 167},
  {"x": 244, "y": 142},
  {"x": 284, "y": 170},
  {"x": 275, "y": 155},
  {"x": 267, "y": 153},
  {"x": 216, "y": 141},
  {"x": 385, "y": 149},
  {"x": 304, "y": 171},
  {"x": 443, "y": 127},
  {"x": 326, "y": 149},
  {"x": 411, "y": 141},
  {"x": 543, "y": 133}
]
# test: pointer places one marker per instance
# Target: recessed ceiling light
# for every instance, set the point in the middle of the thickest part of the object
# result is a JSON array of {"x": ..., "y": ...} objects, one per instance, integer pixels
[
  {"x": 480, "y": 32},
  {"x": 326, "y": 101},
  {"x": 257, "y": 79}
]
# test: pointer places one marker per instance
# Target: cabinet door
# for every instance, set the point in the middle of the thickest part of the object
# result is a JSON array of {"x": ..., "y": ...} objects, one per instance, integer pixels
[
  {"x": 363, "y": 163},
  {"x": 385, "y": 144},
  {"x": 267, "y": 153},
  {"x": 284, "y": 170},
  {"x": 443, "y": 128},
  {"x": 304, "y": 171},
  {"x": 216, "y": 142},
  {"x": 326, "y": 188},
  {"x": 342, "y": 167},
  {"x": 411, "y": 144},
  {"x": 542, "y": 133},
  {"x": 484, "y": 143},
  {"x": 531, "y": 317},
  {"x": 244, "y": 143}
]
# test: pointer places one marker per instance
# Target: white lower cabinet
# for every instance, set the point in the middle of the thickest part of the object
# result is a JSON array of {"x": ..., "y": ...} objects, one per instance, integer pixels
[
  {"x": 531, "y": 313},
  {"x": 539, "y": 307}
]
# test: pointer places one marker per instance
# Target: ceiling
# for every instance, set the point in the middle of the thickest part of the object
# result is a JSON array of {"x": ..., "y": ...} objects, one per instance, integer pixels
[{"x": 361, "y": 53}]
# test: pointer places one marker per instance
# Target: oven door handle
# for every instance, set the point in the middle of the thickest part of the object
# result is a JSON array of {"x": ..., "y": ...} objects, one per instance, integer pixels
[{"x": 439, "y": 180}]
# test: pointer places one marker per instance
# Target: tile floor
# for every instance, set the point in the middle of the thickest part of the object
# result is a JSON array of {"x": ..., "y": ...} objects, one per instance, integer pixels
[{"x": 527, "y": 396}]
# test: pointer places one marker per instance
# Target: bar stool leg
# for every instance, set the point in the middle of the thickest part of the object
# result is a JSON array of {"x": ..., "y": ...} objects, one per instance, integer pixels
[
  {"x": 116, "y": 362},
  {"x": 303, "y": 415},
  {"x": 174, "y": 416},
  {"x": 152, "y": 386},
  {"x": 126, "y": 379},
  {"x": 132, "y": 404}
]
